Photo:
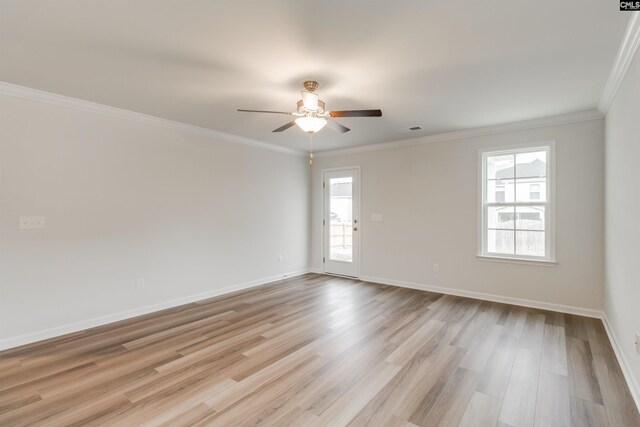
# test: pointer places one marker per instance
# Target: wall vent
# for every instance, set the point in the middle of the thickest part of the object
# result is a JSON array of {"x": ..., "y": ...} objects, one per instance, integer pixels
[{"x": 415, "y": 128}]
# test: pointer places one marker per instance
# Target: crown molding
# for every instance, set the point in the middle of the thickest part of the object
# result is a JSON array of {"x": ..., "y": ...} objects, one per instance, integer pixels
[
  {"x": 626, "y": 53},
  {"x": 11, "y": 89},
  {"x": 119, "y": 113},
  {"x": 469, "y": 133}
]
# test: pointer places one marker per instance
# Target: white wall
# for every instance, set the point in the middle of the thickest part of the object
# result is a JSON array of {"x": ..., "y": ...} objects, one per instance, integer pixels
[
  {"x": 427, "y": 195},
  {"x": 125, "y": 200},
  {"x": 622, "y": 207}
]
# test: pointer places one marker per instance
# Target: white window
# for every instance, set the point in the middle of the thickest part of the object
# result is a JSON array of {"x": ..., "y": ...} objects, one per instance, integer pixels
[{"x": 517, "y": 206}]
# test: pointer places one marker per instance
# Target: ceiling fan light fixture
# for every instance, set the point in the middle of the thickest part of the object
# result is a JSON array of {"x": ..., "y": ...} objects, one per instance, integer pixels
[
  {"x": 310, "y": 101},
  {"x": 311, "y": 113},
  {"x": 311, "y": 124}
]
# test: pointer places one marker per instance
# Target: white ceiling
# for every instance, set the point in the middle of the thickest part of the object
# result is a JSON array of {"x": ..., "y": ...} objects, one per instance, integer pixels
[{"x": 442, "y": 65}]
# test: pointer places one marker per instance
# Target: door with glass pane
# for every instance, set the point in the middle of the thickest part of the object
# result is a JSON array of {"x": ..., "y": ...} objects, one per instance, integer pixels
[{"x": 341, "y": 223}]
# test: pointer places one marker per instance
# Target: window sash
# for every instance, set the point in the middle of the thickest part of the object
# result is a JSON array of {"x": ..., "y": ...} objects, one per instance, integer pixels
[
  {"x": 547, "y": 204},
  {"x": 516, "y": 204}
]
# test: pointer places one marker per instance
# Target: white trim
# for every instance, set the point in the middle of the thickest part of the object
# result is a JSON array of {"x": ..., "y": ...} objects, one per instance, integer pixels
[
  {"x": 526, "y": 261},
  {"x": 16, "y": 341},
  {"x": 632, "y": 383},
  {"x": 634, "y": 388},
  {"x": 624, "y": 58},
  {"x": 119, "y": 113},
  {"x": 550, "y": 203},
  {"x": 79, "y": 104},
  {"x": 470, "y": 133},
  {"x": 357, "y": 238},
  {"x": 488, "y": 297},
  {"x": 339, "y": 168}
]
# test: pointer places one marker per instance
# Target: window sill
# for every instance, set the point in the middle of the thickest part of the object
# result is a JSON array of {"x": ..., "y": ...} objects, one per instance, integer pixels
[{"x": 538, "y": 262}]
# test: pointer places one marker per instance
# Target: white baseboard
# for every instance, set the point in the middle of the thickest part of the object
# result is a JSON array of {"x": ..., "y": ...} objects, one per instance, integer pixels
[
  {"x": 622, "y": 361},
  {"x": 68, "y": 328},
  {"x": 632, "y": 383},
  {"x": 488, "y": 297}
]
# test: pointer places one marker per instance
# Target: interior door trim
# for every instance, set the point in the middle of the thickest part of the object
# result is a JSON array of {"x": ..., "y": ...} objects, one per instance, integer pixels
[{"x": 357, "y": 235}]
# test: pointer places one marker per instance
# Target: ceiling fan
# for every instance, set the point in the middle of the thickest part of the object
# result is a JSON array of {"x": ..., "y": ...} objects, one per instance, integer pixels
[{"x": 312, "y": 115}]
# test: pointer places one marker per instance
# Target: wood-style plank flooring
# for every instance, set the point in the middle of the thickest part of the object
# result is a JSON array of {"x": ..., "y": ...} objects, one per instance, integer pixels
[{"x": 320, "y": 350}]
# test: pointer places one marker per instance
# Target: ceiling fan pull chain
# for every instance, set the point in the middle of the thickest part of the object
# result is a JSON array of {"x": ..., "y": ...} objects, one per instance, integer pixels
[{"x": 310, "y": 148}]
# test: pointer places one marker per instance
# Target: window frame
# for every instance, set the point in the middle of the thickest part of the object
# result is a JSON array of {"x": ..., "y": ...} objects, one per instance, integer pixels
[{"x": 550, "y": 203}]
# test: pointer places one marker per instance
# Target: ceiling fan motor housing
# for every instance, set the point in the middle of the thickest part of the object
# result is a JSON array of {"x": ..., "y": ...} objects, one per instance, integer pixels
[{"x": 311, "y": 85}]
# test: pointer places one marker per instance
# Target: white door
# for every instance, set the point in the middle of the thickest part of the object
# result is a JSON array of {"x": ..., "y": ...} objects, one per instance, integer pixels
[{"x": 341, "y": 222}]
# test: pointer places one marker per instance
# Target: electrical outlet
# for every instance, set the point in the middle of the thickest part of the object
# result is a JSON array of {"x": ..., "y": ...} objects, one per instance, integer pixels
[
  {"x": 140, "y": 284},
  {"x": 637, "y": 343},
  {"x": 280, "y": 258},
  {"x": 436, "y": 268}
]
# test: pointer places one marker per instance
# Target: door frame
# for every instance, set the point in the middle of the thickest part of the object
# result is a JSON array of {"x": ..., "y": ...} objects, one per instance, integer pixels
[{"x": 357, "y": 253}]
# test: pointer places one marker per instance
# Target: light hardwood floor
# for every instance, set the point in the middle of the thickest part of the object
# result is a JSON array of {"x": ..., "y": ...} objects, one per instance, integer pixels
[{"x": 320, "y": 350}]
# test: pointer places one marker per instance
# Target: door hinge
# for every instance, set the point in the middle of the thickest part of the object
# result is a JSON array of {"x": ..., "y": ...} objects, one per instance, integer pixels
[
  {"x": 323, "y": 185},
  {"x": 323, "y": 222},
  {"x": 323, "y": 260}
]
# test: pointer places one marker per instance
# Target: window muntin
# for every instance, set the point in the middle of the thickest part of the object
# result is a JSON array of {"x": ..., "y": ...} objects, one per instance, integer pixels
[{"x": 516, "y": 203}]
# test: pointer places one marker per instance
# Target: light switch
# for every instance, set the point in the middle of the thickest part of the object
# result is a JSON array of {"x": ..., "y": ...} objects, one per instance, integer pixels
[
  {"x": 31, "y": 222},
  {"x": 376, "y": 217}
]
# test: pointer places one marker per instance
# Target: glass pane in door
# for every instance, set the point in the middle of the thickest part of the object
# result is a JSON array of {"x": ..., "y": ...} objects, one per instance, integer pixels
[{"x": 341, "y": 219}]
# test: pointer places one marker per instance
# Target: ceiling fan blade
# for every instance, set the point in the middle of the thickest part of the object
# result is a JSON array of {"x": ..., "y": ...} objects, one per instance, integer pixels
[
  {"x": 335, "y": 126},
  {"x": 356, "y": 113},
  {"x": 264, "y": 111},
  {"x": 285, "y": 126}
]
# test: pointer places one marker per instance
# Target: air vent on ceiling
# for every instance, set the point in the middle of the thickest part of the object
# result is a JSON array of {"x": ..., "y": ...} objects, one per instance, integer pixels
[{"x": 415, "y": 128}]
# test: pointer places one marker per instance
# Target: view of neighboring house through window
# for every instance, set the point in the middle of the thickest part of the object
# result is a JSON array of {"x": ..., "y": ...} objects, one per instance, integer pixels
[
  {"x": 341, "y": 221},
  {"x": 516, "y": 203},
  {"x": 534, "y": 191}
]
